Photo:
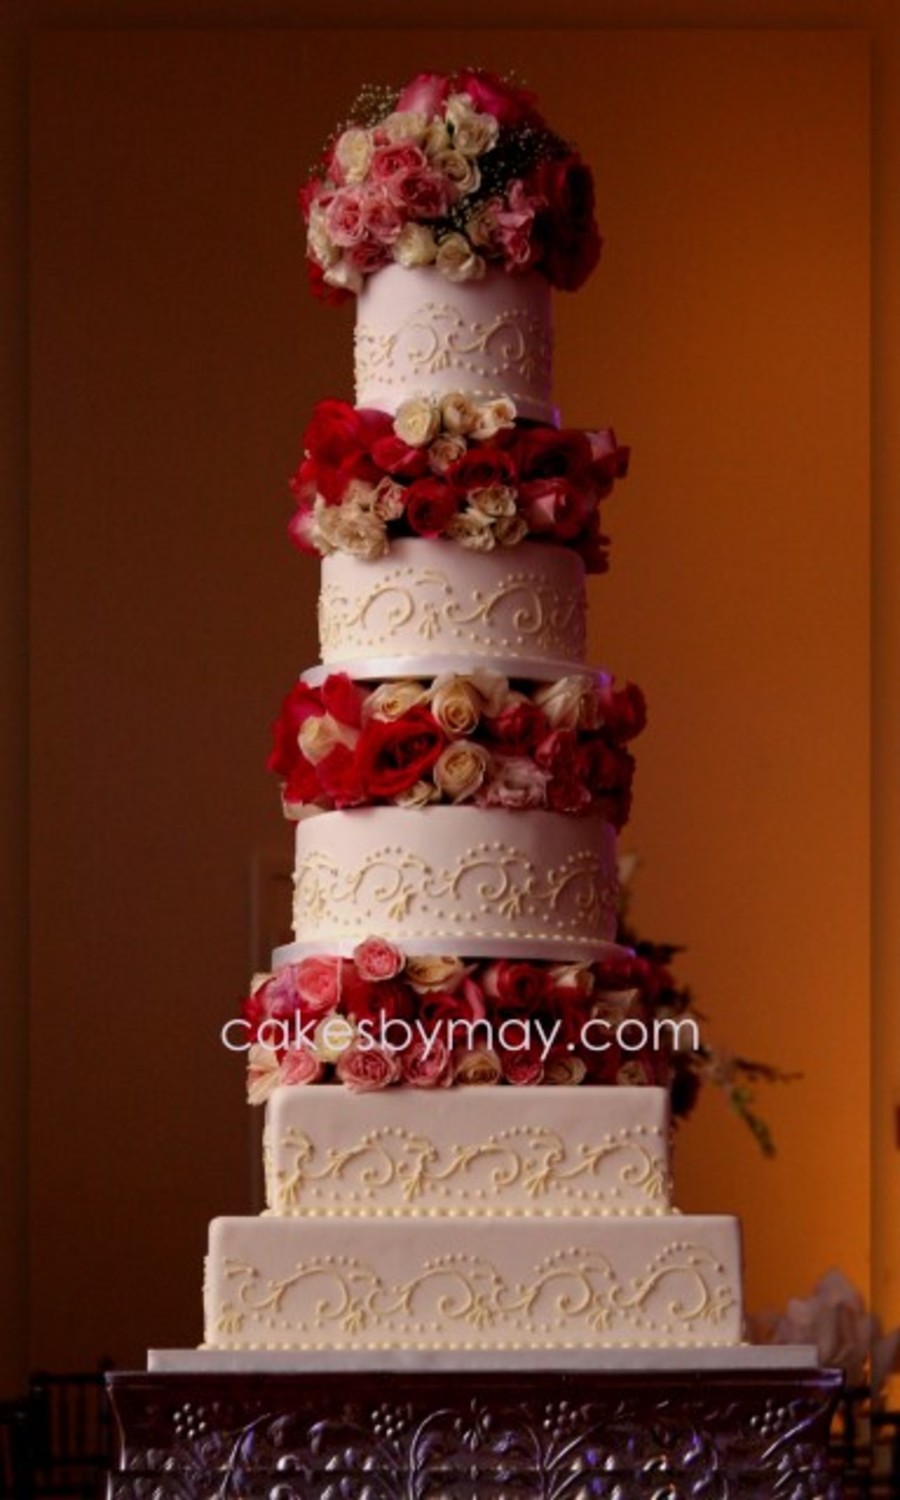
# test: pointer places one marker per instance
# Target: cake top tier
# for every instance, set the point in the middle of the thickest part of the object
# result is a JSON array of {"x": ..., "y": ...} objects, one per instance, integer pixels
[{"x": 460, "y": 172}]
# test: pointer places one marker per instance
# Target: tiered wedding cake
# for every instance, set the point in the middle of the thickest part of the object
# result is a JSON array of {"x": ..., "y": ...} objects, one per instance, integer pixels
[{"x": 493, "y": 1173}]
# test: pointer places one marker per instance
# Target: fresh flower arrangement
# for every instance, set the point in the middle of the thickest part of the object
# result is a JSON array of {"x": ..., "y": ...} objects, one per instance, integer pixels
[
  {"x": 835, "y": 1318},
  {"x": 460, "y": 738},
  {"x": 459, "y": 172},
  {"x": 459, "y": 1022},
  {"x": 450, "y": 467}
]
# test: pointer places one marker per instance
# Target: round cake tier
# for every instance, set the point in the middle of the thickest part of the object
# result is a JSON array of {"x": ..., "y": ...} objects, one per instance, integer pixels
[
  {"x": 458, "y": 878},
  {"x": 419, "y": 334},
  {"x": 436, "y": 602}
]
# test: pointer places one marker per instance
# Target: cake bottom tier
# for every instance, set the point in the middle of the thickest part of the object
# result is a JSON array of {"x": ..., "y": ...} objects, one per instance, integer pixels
[{"x": 373, "y": 1283}]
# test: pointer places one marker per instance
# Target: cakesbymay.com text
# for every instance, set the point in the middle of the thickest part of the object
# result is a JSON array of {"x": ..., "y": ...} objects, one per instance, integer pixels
[{"x": 517, "y": 1033}]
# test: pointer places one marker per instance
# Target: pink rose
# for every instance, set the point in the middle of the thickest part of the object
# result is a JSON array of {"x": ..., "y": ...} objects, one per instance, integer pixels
[
  {"x": 367, "y": 255},
  {"x": 424, "y": 95},
  {"x": 554, "y": 507},
  {"x": 522, "y": 1066},
  {"x": 299, "y": 1065},
  {"x": 318, "y": 982},
  {"x": 396, "y": 160},
  {"x": 422, "y": 193},
  {"x": 367, "y": 1069},
  {"x": 426, "y": 1069},
  {"x": 516, "y": 782},
  {"x": 276, "y": 999},
  {"x": 382, "y": 218},
  {"x": 344, "y": 216},
  {"x": 376, "y": 959}
]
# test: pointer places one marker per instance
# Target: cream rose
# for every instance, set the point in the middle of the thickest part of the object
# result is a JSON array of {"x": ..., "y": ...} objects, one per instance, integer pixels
[
  {"x": 493, "y": 501},
  {"x": 444, "y": 451},
  {"x": 437, "y": 138},
  {"x": 457, "y": 260},
  {"x": 491, "y": 416},
  {"x": 428, "y": 972},
  {"x": 456, "y": 704},
  {"x": 319, "y": 735},
  {"x": 415, "y": 245},
  {"x": 353, "y": 154},
  {"x": 388, "y": 503},
  {"x": 565, "y": 1071},
  {"x": 405, "y": 125},
  {"x": 570, "y": 703},
  {"x": 418, "y": 795},
  {"x": 348, "y": 528},
  {"x": 480, "y": 1066},
  {"x": 342, "y": 274},
  {"x": 577, "y": 979},
  {"x": 331, "y": 1038},
  {"x": 461, "y": 769},
  {"x": 509, "y": 531},
  {"x": 473, "y": 133},
  {"x": 471, "y": 530},
  {"x": 458, "y": 413},
  {"x": 319, "y": 242},
  {"x": 459, "y": 169},
  {"x": 391, "y": 700},
  {"x": 262, "y": 1073},
  {"x": 417, "y": 421}
]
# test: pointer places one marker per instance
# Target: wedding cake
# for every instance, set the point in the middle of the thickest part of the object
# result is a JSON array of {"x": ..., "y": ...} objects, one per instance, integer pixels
[{"x": 467, "y": 1124}]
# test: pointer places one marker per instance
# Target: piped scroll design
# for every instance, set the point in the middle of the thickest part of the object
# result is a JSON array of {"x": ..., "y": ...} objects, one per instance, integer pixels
[
  {"x": 513, "y": 344},
  {"x": 531, "y": 1160},
  {"x": 575, "y": 1294},
  {"x": 488, "y": 887},
  {"x": 522, "y": 613}
]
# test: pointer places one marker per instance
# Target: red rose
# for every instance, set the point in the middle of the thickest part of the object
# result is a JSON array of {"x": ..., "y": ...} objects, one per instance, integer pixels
[
  {"x": 518, "y": 727},
  {"x": 399, "y": 459},
  {"x": 442, "y": 1007},
  {"x": 301, "y": 788},
  {"x": 516, "y": 987},
  {"x": 493, "y": 96},
  {"x": 481, "y": 467},
  {"x": 338, "y": 444},
  {"x": 393, "y": 754},
  {"x": 301, "y": 703},
  {"x": 565, "y": 229},
  {"x": 339, "y": 777},
  {"x": 551, "y": 453},
  {"x": 370, "y": 999},
  {"x": 343, "y": 699},
  {"x": 430, "y": 505},
  {"x": 333, "y": 296},
  {"x": 624, "y": 710}
]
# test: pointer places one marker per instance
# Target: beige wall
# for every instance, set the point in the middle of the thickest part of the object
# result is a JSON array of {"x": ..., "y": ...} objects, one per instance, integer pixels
[{"x": 174, "y": 357}]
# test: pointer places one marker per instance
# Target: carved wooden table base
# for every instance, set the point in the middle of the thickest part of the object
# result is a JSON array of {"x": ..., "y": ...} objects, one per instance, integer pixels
[{"x": 539, "y": 1435}]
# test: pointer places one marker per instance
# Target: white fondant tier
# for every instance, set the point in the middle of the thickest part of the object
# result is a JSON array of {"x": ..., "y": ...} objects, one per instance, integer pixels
[
  {"x": 457, "y": 876},
  {"x": 478, "y": 1283},
  {"x": 467, "y": 1152},
  {"x": 438, "y": 602},
  {"x": 419, "y": 334}
]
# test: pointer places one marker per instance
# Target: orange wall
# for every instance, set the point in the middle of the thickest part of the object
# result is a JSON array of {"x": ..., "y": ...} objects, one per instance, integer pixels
[{"x": 175, "y": 356}]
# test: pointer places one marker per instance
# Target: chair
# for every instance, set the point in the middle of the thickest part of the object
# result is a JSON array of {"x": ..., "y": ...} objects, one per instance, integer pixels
[
  {"x": 70, "y": 1434},
  {"x": 15, "y": 1450}
]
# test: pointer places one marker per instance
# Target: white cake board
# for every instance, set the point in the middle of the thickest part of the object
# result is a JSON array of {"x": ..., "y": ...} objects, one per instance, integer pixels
[{"x": 737, "y": 1359}]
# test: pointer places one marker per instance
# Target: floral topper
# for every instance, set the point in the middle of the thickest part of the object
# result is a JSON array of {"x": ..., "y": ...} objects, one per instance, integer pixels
[{"x": 458, "y": 171}]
